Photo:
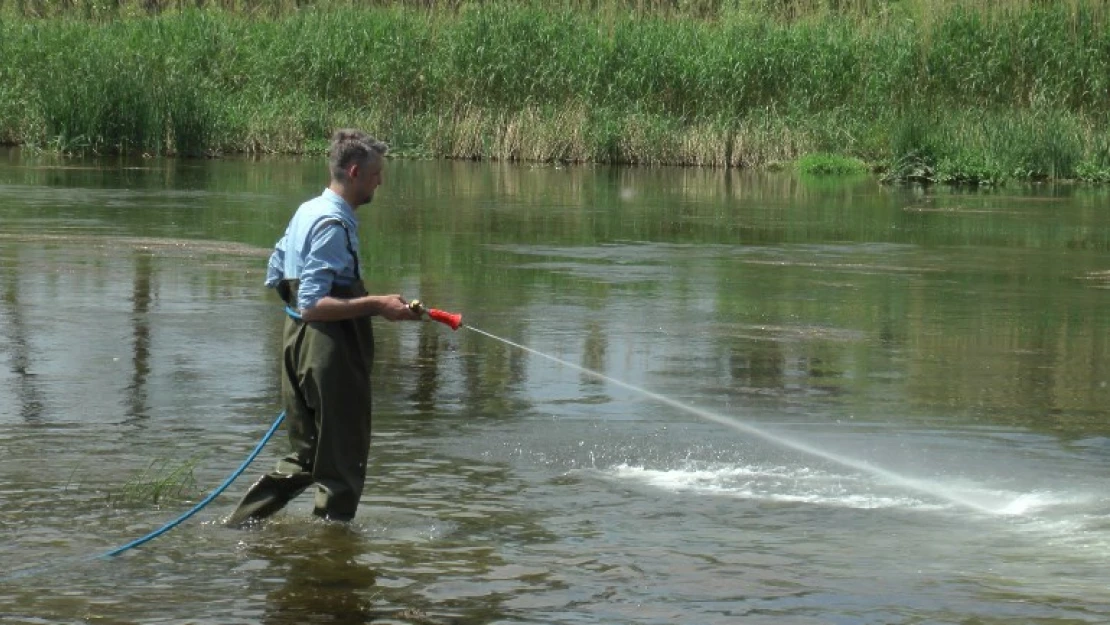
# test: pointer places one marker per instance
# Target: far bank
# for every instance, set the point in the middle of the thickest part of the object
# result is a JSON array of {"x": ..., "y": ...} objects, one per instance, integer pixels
[{"x": 964, "y": 95}]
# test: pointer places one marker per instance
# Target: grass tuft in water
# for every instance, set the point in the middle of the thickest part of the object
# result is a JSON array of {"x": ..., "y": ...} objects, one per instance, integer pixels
[{"x": 158, "y": 483}]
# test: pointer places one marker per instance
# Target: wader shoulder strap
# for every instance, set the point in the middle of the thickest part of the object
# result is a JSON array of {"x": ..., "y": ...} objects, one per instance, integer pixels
[{"x": 287, "y": 289}]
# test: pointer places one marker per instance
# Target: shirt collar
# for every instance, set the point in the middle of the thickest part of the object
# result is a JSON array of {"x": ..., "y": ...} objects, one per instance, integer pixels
[{"x": 340, "y": 203}]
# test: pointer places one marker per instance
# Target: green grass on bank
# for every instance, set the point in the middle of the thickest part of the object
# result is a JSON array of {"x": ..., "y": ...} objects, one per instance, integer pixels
[{"x": 932, "y": 90}]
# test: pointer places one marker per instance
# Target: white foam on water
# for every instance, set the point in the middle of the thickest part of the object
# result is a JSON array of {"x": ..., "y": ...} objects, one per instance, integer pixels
[
  {"x": 778, "y": 484},
  {"x": 1024, "y": 504},
  {"x": 1070, "y": 525}
]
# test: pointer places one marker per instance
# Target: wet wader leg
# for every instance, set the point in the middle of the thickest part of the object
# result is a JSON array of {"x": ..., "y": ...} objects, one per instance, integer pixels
[
  {"x": 298, "y": 396},
  {"x": 293, "y": 473},
  {"x": 342, "y": 379},
  {"x": 268, "y": 496}
]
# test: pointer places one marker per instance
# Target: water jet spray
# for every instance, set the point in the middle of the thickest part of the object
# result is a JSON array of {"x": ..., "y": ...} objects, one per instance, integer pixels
[{"x": 923, "y": 486}]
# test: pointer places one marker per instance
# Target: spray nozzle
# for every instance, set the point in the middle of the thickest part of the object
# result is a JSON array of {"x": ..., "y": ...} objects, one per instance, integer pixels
[{"x": 451, "y": 320}]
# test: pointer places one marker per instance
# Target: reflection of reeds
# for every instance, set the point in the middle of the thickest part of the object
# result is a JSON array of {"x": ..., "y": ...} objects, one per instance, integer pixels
[
  {"x": 157, "y": 483},
  {"x": 998, "y": 89}
]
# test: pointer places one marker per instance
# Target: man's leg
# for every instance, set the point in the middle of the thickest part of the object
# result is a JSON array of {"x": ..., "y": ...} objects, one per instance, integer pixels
[
  {"x": 293, "y": 474},
  {"x": 268, "y": 495},
  {"x": 343, "y": 445}
]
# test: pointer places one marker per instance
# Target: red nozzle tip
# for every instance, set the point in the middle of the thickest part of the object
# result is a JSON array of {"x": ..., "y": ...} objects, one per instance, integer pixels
[{"x": 452, "y": 320}]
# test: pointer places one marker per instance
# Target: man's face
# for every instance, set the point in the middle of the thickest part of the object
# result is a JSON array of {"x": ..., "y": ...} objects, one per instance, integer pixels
[{"x": 365, "y": 178}]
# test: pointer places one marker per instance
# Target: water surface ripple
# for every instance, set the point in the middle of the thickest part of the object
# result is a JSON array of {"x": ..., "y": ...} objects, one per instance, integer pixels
[{"x": 695, "y": 397}]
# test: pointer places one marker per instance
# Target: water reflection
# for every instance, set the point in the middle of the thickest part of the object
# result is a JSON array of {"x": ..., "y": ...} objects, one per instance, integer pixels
[
  {"x": 426, "y": 388},
  {"x": 594, "y": 351},
  {"x": 29, "y": 395},
  {"x": 323, "y": 583},
  {"x": 140, "y": 349},
  {"x": 494, "y": 378},
  {"x": 758, "y": 365}
]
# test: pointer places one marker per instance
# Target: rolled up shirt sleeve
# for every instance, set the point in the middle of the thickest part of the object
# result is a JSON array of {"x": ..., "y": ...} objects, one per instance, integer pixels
[
  {"x": 327, "y": 256},
  {"x": 275, "y": 271}
]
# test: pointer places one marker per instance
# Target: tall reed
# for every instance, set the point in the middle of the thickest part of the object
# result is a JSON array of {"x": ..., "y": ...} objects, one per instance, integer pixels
[{"x": 709, "y": 82}]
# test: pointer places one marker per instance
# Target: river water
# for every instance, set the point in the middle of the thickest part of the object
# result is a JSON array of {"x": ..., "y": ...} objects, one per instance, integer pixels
[{"x": 680, "y": 396}]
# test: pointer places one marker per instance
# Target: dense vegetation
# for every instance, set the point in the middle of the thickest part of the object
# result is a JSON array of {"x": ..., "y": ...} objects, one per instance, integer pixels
[{"x": 932, "y": 90}]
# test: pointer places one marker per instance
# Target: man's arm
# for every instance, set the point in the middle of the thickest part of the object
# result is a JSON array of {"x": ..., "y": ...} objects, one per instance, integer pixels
[
  {"x": 329, "y": 251},
  {"x": 329, "y": 308},
  {"x": 275, "y": 269}
]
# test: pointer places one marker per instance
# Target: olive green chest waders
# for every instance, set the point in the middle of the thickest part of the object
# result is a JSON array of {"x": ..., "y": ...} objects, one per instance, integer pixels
[{"x": 325, "y": 389}]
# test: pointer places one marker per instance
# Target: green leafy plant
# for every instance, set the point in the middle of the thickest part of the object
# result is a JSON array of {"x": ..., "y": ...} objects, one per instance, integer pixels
[{"x": 831, "y": 165}]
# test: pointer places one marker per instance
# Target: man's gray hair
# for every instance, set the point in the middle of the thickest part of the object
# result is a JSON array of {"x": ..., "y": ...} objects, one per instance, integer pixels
[{"x": 350, "y": 146}]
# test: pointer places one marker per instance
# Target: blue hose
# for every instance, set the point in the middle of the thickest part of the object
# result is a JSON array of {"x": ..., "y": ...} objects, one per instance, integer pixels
[
  {"x": 204, "y": 502},
  {"x": 174, "y": 523}
]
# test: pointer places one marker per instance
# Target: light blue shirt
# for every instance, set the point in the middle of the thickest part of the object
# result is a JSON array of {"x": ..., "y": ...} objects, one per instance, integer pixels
[{"x": 314, "y": 248}]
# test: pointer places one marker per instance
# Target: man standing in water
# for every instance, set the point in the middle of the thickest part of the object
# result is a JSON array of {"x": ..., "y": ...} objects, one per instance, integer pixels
[{"x": 328, "y": 344}]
